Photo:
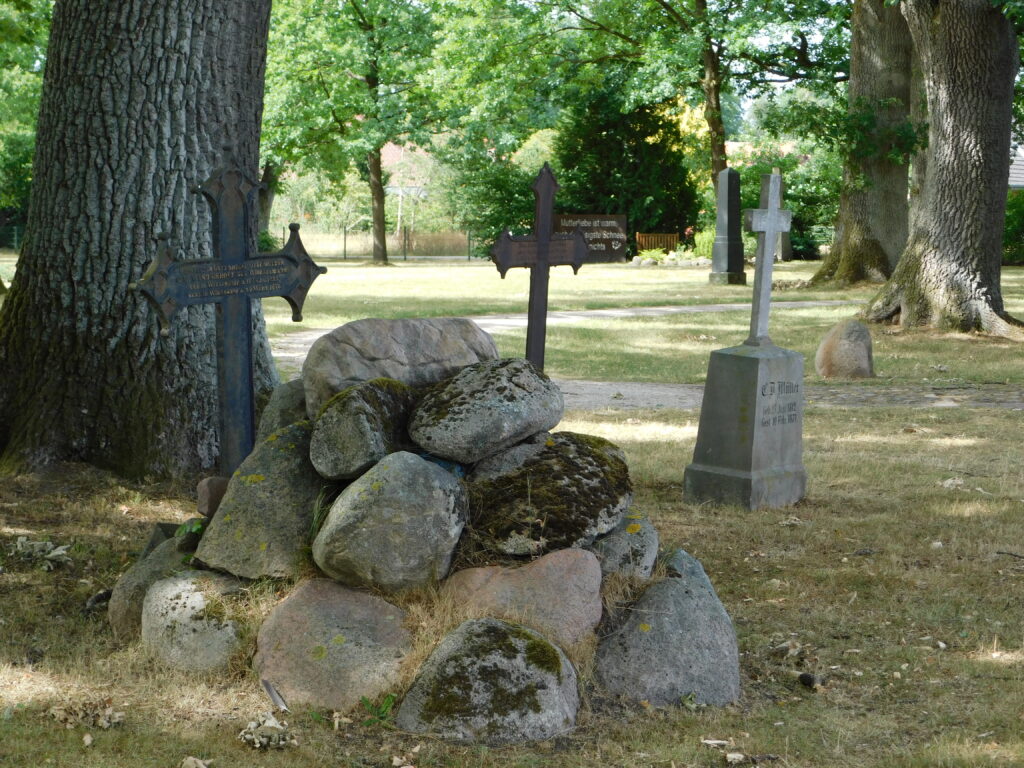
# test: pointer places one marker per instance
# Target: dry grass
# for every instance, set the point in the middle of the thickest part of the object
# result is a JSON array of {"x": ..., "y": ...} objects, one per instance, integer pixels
[{"x": 920, "y": 645}]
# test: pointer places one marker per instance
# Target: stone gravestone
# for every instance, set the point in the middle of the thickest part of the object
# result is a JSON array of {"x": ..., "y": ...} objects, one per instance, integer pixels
[
  {"x": 232, "y": 279},
  {"x": 750, "y": 439},
  {"x": 727, "y": 252},
  {"x": 538, "y": 252},
  {"x": 784, "y": 247}
]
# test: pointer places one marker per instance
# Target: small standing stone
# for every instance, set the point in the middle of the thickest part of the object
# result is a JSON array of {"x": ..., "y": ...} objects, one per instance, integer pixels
[
  {"x": 124, "y": 612},
  {"x": 676, "y": 640},
  {"x": 210, "y": 492},
  {"x": 287, "y": 405},
  {"x": 630, "y": 549},
  {"x": 845, "y": 352}
]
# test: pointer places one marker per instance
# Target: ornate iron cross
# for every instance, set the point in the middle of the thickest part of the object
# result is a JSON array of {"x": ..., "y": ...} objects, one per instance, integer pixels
[
  {"x": 232, "y": 279},
  {"x": 538, "y": 252},
  {"x": 768, "y": 222}
]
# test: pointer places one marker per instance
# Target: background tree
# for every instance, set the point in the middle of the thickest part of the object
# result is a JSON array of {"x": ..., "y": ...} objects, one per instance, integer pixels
[
  {"x": 949, "y": 273},
  {"x": 24, "y": 25},
  {"x": 346, "y": 78},
  {"x": 87, "y": 375},
  {"x": 617, "y": 161}
]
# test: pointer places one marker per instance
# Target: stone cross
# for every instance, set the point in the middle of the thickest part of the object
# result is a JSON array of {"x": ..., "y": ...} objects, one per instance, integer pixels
[
  {"x": 727, "y": 252},
  {"x": 768, "y": 222},
  {"x": 538, "y": 252},
  {"x": 232, "y": 280}
]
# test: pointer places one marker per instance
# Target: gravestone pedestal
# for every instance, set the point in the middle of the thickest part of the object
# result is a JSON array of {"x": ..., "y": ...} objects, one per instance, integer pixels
[
  {"x": 750, "y": 441},
  {"x": 750, "y": 438}
]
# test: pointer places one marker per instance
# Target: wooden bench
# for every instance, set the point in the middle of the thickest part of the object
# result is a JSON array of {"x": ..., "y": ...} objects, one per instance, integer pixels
[{"x": 665, "y": 241}]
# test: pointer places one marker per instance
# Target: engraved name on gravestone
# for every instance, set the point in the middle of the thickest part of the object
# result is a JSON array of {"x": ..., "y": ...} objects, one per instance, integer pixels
[
  {"x": 605, "y": 234},
  {"x": 232, "y": 280},
  {"x": 538, "y": 252},
  {"x": 749, "y": 449},
  {"x": 727, "y": 251}
]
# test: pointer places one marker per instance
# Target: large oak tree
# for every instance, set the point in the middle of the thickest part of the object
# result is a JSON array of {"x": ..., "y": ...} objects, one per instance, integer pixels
[
  {"x": 949, "y": 273},
  {"x": 139, "y": 99}
]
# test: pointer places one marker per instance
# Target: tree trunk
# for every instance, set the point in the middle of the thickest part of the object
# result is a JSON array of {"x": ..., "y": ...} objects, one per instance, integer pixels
[
  {"x": 871, "y": 228},
  {"x": 949, "y": 273},
  {"x": 270, "y": 178},
  {"x": 711, "y": 84},
  {"x": 139, "y": 99},
  {"x": 380, "y": 234}
]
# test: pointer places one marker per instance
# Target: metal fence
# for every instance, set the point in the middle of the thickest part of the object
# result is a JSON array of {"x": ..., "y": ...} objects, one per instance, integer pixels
[{"x": 404, "y": 245}]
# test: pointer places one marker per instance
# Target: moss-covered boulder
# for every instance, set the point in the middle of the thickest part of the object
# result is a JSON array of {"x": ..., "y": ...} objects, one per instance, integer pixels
[
  {"x": 567, "y": 494},
  {"x": 287, "y": 405},
  {"x": 416, "y": 351},
  {"x": 484, "y": 409},
  {"x": 395, "y": 527},
  {"x": 359, "y": 426},
  {"x": 676, "y": 641},
  {"x": 490, "y": 682},
  {"x": 326, "y": 646},
  {"x": 184, "y": 623},
  {"x": 631, "y": 548},
  {"x": 262, "y": 525}
]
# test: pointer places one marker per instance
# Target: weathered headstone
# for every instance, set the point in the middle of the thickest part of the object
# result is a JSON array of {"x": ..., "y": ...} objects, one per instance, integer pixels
[
  {"x": 784, "y": 244},
  {"x": 727, "y": 252},
  {"x": 538, "y": 252},
  {"x": 750, "y": 440},
  {"x": 232, "y": 280}
]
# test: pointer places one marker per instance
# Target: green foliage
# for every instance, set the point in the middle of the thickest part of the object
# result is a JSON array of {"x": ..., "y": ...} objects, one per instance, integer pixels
[
  {"x": 267, "y": 242},
  {"x": 379, "y": 714},
  {"x": 24, "y": 25},
  {"x": 191, "y": 526},
  {"x": 616, "y": 160},
  {"x": 1013, "y": 234},
  {"x": 812, "y": 178}
]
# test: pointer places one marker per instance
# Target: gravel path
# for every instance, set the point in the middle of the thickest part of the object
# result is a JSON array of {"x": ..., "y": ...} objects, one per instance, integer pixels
[{"x": 290, "y": 350}]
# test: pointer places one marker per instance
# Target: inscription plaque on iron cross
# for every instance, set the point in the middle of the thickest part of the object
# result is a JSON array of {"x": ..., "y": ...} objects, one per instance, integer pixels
[
  {"x": 232, "y": 279},
  {"x": 768, "y": 222},
  {"x": 538, "y": 252}
]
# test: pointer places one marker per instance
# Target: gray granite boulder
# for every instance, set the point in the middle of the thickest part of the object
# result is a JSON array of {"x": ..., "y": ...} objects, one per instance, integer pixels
[
  {"x": 209, "y": 494},
  {"x": 287, "y": 405},
  {"x": 566, "y": 495},
  {"x": 124, "y": 611},
  {"x": 395, "y": 527},
  {"x": 325, "y": 646},
  {"x": 184, "y": 623},
  {"x": 484, "y": 409},
  {"x": 510, "y": 459},
  {"x": 262, "y": 525},
  {"x": 558, "y": 594},
  {"x": 631, "y": 548},
  {"x": 416, "y": 351},
  {"x": 676, "y": 640},
  {"x": 490, "y": 682},
  {"x": 359, "y": 426},
  {"x": 845, "y": 352}
]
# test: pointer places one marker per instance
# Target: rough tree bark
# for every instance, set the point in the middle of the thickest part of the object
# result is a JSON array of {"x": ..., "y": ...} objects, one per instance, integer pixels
[
  {"x": 949, "y": 273},
  {"x": 139, "y": 99},
  {"x": 871, "y": 227}
]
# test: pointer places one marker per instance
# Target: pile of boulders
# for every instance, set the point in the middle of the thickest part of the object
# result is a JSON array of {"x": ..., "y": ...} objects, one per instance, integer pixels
[{"x": 407, "y": 446}]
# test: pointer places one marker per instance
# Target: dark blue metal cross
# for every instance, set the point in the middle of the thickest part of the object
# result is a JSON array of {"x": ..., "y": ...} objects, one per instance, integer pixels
[
  {"x": 538, "y": 252},
  {"x": 232, "y": 279}
]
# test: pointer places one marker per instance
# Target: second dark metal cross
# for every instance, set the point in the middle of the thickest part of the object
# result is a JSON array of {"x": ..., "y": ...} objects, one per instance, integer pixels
[{"x": 539, "y": 252}]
